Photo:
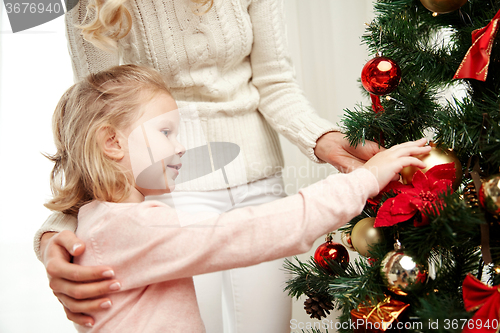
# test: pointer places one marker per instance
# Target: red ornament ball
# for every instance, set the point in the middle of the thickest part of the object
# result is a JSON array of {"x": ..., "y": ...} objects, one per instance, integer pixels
[
  {"x": 380, "y": 76},
  {"x": 331, "y": 251}
]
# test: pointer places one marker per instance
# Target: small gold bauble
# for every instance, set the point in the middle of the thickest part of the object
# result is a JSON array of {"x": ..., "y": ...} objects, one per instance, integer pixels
[
  {"x": 489, "y": 195},
  {"x": 435, "y": 157},
  {"x": 401, "y": 273},
  {"x": 443, "y": 6},
  {"x": 364, "y": 235}
]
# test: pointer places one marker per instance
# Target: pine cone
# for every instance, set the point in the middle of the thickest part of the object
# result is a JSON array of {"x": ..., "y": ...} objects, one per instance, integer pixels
[
  {"x": 470, "y": 196},
  {"x": 316, "y": 306}
]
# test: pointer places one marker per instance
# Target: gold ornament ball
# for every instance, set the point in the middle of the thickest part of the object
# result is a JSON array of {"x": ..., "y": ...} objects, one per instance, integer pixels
[
  {"x": 401, "y": 273},
  {"x": 443, "y": 6},
  {"x": 364, "y": 235},
  {"x": 435, "y": 157},
  {"x": 489, "y": 195}
]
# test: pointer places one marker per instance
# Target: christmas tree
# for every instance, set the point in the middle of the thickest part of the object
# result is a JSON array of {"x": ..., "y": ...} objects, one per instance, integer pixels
[{"x": 430, "y": 244}]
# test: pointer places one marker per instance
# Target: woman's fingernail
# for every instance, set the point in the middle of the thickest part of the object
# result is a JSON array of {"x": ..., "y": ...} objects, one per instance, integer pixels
[
  {"x": 88, "y": 325},
  {"x": 108, "y": 274},
  {"x": 115, "y": 286},
  {"x": 76, "y": 246},
  {"x": 106, "y": 305}
]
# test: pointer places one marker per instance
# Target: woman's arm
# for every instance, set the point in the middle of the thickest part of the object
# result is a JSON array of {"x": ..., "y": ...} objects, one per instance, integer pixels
[{"x": 282, "y": 100}]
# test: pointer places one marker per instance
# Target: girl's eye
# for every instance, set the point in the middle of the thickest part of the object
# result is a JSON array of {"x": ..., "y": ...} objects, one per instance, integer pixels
[{"x": 165, "y": 132}]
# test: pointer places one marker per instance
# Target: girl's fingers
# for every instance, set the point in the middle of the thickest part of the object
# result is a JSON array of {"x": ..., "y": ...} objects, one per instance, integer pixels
[
  {"x": 418, "y": 143},
  {"x": 418, "y": 150},
  {"x": 411, "y": 148},
  {"x": 413, "y": 161}
]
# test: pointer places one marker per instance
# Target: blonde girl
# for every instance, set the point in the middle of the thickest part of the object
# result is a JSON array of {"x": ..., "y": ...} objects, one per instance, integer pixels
[
  {"x": 229, "y": 59},
  {"x": 152, "y": 255}
]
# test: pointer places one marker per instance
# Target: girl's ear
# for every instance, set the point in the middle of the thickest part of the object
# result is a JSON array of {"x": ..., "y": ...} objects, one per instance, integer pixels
[{"x": 111, "y": 143}]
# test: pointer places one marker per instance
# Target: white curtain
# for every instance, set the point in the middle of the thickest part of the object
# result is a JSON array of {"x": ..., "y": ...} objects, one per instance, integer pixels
[{"x": 324, "y": 37}]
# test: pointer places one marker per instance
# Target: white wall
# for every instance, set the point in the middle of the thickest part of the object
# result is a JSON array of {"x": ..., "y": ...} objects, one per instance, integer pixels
[
  {"x": 324, "y": 37},
  {"x": 35, "y": 71}
]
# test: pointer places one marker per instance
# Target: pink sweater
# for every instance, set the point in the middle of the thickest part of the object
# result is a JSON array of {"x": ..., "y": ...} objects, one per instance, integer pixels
[{"x": 155, "y": 258}]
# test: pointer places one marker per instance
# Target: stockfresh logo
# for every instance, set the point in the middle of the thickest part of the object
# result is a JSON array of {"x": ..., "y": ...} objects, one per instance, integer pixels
[{"x": 26, "y": 14}]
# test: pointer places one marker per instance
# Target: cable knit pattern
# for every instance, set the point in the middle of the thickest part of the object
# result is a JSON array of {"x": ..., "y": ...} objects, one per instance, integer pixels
[
  {"x": 232, "y": 63},
  {"x": 278, "y": 37}
]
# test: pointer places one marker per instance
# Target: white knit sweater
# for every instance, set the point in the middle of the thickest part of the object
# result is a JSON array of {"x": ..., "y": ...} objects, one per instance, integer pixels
[{"x": 232, "y": 64}]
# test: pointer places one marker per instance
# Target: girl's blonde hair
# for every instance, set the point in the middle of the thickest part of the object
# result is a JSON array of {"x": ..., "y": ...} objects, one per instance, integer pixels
[
  {"x": 101, "y": 103},
  {"x": 111, "y": 21}
]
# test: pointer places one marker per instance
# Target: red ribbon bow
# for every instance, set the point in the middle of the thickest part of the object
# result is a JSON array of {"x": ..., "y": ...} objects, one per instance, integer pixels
[
  {"x": 484, "y": 299},
  {"x": 477, "y": 59}
]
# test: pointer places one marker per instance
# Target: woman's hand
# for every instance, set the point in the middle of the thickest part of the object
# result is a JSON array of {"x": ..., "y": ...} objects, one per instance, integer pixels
[
  {"x": 333, "y": 148},
  {"x": 387, "y": 165},
  {"x": 74, "y": 285}
]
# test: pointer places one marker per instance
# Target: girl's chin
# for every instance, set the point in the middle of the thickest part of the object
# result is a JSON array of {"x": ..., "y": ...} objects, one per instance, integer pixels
[{"x": 148, "y": 192}]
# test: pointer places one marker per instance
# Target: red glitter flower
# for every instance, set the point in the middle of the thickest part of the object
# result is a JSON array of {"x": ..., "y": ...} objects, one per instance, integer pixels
[{"x": 418, "y": 197}]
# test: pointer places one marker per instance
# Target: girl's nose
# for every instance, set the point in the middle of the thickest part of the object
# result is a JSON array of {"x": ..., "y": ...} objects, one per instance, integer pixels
[{"x": 180, "y": 150}]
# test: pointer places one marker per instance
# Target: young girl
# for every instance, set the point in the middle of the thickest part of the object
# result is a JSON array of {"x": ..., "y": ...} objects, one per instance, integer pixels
[{"x": 100, "y": 125}]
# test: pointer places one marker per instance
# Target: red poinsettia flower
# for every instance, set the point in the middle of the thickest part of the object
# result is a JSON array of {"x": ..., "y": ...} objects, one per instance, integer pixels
[
  {"x": 421, "y": 195},
  {"x": 395, "y": 187}
]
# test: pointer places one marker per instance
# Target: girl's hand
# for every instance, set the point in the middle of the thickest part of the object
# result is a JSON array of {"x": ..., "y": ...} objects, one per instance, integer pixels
[
  {"x": 386, "y": 165},
  {"x": 73, "y": 284}
]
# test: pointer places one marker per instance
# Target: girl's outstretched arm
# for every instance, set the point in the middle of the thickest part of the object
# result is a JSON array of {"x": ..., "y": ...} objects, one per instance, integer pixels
[{"x": 146, "y": 243}]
